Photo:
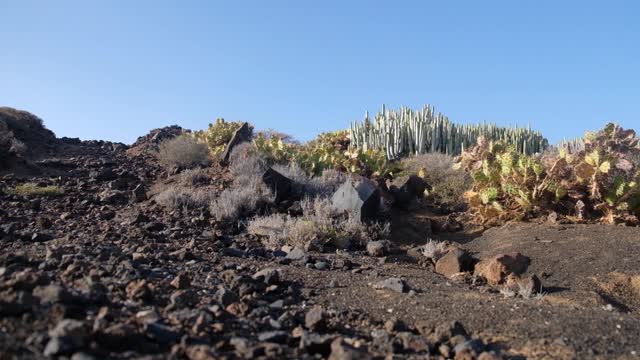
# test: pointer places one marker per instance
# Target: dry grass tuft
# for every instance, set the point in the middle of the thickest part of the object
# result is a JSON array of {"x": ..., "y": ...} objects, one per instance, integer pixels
[
  {"x": 320, "y": 225},
  {"x": 31, "y": 190},
  {"x": 184, "y": 152},
  {"x": 241, "y": 200},
  {"x": 449, "y": 185},
  {"x": 178, "y": 198},
  {"x": 434, "y": 250},
  {"x": 193, "y": 177}
]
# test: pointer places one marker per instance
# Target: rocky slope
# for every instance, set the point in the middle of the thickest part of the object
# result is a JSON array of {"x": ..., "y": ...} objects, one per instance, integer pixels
[{"x": 103, "y": 271}]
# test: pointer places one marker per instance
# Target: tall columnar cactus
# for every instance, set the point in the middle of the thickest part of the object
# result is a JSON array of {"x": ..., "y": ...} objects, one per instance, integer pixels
[{"x": 407, "y": 131}]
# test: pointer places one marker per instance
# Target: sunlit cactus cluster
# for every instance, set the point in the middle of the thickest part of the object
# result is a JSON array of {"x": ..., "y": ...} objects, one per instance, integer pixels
[
  {"x": 407, "y": 131},
  {"x": 573, "y": 145}
]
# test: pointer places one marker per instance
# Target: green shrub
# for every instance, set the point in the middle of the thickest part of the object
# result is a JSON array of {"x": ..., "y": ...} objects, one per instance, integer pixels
[
  {"x": 218, "y": 135},
  {"x": 327, "y": 151},
  {"x": 448, "y": 184},
  {"x": 182, "y": 151},
  {"x": 32, "y": 190}
]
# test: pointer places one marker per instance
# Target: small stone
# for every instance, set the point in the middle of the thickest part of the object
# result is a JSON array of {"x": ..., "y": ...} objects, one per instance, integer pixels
[
  {"x": 497, "y": 268},
  {"x": 139, "y": 194},
  {"x": 278, "y": 304},
  {"x": 40, "y": 237},
  {"x": 269, "y": 276},
  {"x": 297, "y": 254},
  {"x": 394, "y": 284},
  {"x": 82, "y": 356},
  {"x": 52, "y": 294},
  {"x": 225, "y": 297},
  {"x": 66, "y": 337},
  {"x": 340, "y": 350},
  {"x": 315, "y": 318},
  {"x": 276, "y": 336},
  {"x": 489, "y": 356},
  {"x": 161, "y": 333},
  {"x": 321, "y": 265},
  {"x": 59, "y": 346},
  {"x": 138, "y": 290},
  {"x": 378, "y": 248},
  {"x": 453, "y": 262},
  {"x": 474, "y": 346},
  {"x": 393, "y": 325},
  {"x": 183, "y": 298},
  {"x": 181, "y": 281}
]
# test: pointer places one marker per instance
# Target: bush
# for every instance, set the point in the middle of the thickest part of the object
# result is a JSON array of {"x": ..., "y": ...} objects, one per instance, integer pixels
[
  {"x": 193, "y": 177},
  {"x": 599, "y": 182},
  {"x": 182, "y": 152},
  {"x": 218, "y": 135},
  {"x": 177, "y": 198},
  {"x": 245, "y": 162},
  {"x": 9, "y": 145},
  {"x": 448, "y": 184},
  {"x": 319, "y": 226},
  {"x": 240, "y": 201},
  {"x": 32, "y": 190},
  {"x": 327, "y": 151}
]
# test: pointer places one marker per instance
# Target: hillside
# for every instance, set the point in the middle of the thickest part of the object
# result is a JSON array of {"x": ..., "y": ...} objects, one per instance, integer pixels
[{"x": 231, "y": 243}]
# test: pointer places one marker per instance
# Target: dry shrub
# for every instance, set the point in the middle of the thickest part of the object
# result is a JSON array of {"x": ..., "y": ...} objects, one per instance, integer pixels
[
  {"x": 319, "y": 225},
  {"x": 245, "y": 162},
  {"x": 271, "y": 133},
  {"x": 433, "y": 250},
  {"x": 183, "y": 152},
  {"x": 178, "y": 198},
  {"x": 247, "y": 193},
  {"x": 448, "y": 184},
  {"x": 193, "y": 177},
  {"x": 9, "y": 145},
  {"x": 32, "y": 189},
  {"x": 240, "y": 201}
]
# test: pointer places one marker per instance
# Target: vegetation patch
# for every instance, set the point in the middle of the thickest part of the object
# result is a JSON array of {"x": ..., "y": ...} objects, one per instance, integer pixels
[
  {"x": 33, "y": 190},
  {"x": 183, "y": 152},
  {"x": 448, "y": 185},
  {"x": 218, "y": 134},
  {"x": 599, "y": 182},
  {"x": 318, "y": 227}
]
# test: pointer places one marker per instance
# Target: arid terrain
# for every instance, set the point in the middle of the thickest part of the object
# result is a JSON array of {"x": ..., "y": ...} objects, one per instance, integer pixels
[{"x": 101, "y": 269}]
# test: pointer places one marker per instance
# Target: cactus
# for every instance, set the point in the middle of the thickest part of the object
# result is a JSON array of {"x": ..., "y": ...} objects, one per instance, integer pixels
[
  {"x": 407, "y": 131},
  {"x": 600, "y": 181}
]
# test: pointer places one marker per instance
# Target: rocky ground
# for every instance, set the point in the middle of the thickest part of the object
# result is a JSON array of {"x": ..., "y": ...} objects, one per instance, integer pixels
[{"x": 102, "y": 271}]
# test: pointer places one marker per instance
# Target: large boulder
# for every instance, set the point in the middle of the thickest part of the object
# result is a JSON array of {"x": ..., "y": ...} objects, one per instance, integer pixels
[
  {"x": 359, "y": 197},
  {"x": 282, "y": 187},
  {"x": 243, "y": 134}
]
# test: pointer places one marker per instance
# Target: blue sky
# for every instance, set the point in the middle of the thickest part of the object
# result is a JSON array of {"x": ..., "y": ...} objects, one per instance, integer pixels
[{"x": 116, "y": 69}]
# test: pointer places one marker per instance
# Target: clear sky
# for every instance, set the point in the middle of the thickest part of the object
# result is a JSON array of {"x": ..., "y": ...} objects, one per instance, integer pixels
[{"x": 115, "y": 69}]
